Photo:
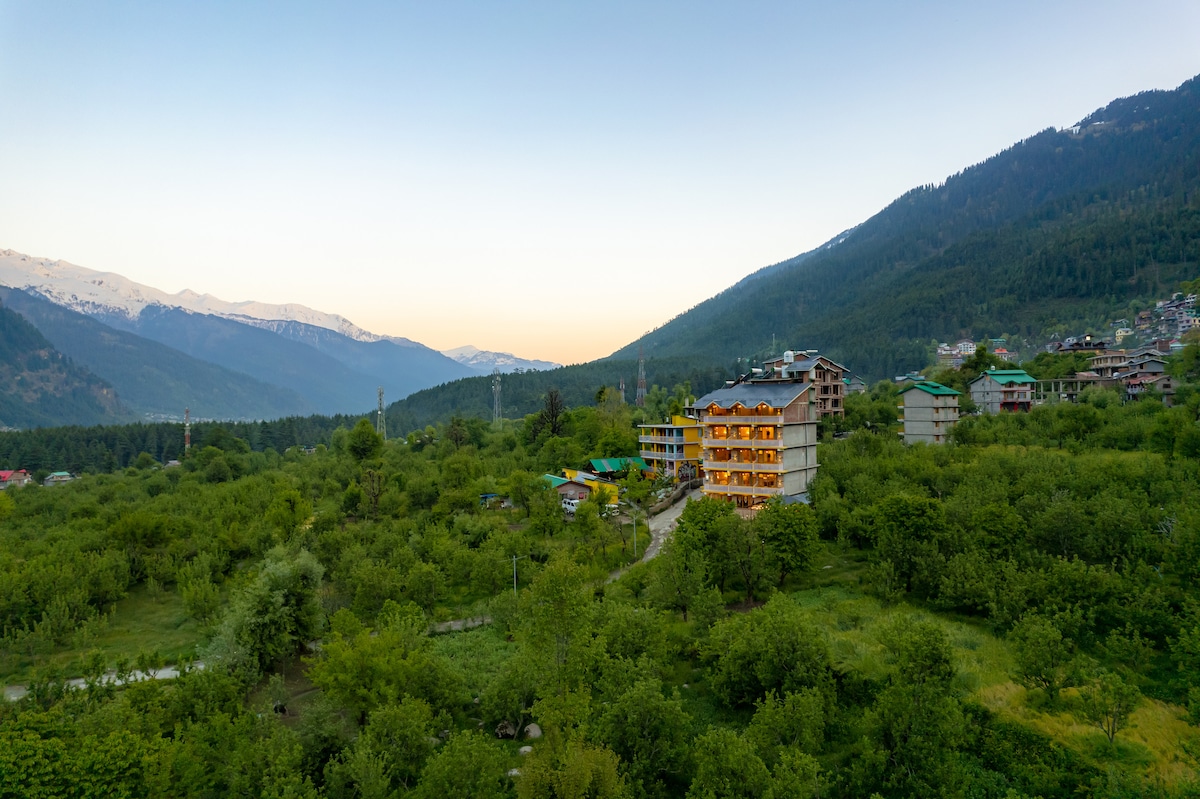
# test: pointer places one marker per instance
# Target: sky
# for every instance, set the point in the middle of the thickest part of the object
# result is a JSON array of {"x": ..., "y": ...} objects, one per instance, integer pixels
[{"x": 550, "y": 179}]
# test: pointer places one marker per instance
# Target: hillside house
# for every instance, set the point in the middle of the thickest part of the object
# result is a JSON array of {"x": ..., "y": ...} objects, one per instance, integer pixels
[
  {"x": 1109, "y": 362},
  {"x": 57, "y": 479},
  {"x": 854, "y": 384},
  {"x": 1002, "y": 390},
  {"x": 806, "y": 366},
  {"x": 911, "y": 377},
  {"x": 610, "y": 490},
  {"x": 14, "y": 477},
  {"x": 759, "y": 439},
  {"x": 672, "y": 449},
  {"x": 569, "y": 489},
  {"x": 929, "y": 411}
]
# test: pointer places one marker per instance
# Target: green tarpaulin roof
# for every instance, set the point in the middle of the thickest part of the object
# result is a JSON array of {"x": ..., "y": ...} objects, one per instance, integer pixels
[
  {"x": 607, "y": 465},
  {"x": 930, "y": 387}
]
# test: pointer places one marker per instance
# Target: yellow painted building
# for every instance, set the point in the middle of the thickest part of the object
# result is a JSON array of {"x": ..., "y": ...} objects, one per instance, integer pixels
[{"x": 672, "y": 449}]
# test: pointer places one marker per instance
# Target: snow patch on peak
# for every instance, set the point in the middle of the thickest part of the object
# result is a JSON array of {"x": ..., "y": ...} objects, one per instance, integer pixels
[
  {"x": 91, "y": 292},
  {"x": 485, "y": 361}
]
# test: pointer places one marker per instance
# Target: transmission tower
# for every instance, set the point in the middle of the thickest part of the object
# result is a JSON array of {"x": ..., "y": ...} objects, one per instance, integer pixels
[
  {"x": 496, "y": 416},
  {"x": 380, "y": 421},
  {"x": 641, "y": 386},
  {"x": 622, "y": 391},
  {"x": 187, "y": 429}
]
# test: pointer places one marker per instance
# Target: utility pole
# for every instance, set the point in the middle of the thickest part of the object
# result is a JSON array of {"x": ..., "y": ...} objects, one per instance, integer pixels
[
  {"x": 187, "y": 429},
  {"x": 515, "y": 559},
  {"x": 496, "y": 410}
]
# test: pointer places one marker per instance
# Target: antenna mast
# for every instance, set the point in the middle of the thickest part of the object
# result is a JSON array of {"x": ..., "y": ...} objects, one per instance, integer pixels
[
  {"x": 380, "y": 423},
  {"x": 496, "y": 397},
  {"x": 187, "y": 429},
  {"x": 641, "y": 386}
]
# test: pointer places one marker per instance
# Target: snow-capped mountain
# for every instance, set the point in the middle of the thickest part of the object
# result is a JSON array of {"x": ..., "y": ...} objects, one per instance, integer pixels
[
  {"x": 485, "y": 361},
  {"x": 107, "y": 293}
]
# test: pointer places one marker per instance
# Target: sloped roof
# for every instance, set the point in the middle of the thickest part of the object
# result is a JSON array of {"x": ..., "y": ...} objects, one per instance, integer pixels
[
  {"x": 1007, "y": 376},
  {"x": 930, "y": 387},
  {"x": 749, "y": 394},
  {"x": 617, "y": 464}
]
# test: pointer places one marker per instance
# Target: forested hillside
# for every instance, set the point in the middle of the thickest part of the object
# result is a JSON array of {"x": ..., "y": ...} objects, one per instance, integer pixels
[
  {"x": 523, "y": 393},
  {"x": 162, "y": 380},
  {"x": 1011, "y": 615},
  {"x": 1061, "y": 232},
  {"x": 40, "y": 386}
]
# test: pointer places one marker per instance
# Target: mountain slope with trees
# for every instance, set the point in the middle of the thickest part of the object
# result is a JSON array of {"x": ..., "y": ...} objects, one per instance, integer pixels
[
  {"x": 39, "y": 386},
  {"x": 1066, "y": 228},
  {"x": 154, "y": 378}
]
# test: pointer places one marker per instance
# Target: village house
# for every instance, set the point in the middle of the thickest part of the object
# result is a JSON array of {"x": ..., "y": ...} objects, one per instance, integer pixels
[
  {"x": 1002, "y": 390},
  {"x": 57, "y": 478},
  {"x": 806, "y": 366},
  {"x": 930, "y": 410},
  {"x": 14, "y": 477}
]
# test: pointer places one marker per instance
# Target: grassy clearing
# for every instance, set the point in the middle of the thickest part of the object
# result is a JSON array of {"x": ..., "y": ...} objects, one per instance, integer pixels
[
  {"x": 479, "y": 654},
  {"x": 140, "y": 623},
  {"x": 856, "y": 627}
]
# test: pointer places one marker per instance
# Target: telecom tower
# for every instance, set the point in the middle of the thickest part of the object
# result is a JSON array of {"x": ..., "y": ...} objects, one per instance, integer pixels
[
  {"x": 187, "y": 429},
  {"x": 496, "y": 397},
  {"x": 641, "y": 387},
  {"x": 380, "y": 422},
  {"x": 622, "y": 391}
]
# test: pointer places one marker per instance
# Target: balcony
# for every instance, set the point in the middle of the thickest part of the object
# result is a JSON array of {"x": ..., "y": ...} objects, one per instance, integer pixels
[
  {"x": 738, "y": 466},
  {"x": 742, "y": 420},
  {"x": 745, "y": 491},
  {"x": 756, "y": 443},
  {"x": 664, "y": 456},
  {"x": 661, "y": 439}
]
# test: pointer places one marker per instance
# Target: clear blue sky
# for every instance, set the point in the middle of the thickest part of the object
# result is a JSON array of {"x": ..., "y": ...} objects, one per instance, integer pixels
[{"x": 551, "y": 179}]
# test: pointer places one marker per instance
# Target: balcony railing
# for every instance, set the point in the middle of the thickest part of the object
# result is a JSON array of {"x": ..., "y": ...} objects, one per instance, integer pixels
[
  {"x": 662, "y": 439},
  {"x": 764, "y": 491},
  {"x": 738, "y": 466},
  {"x": 734, "y": 421},
  {"x": 756, "y": 443},
  {"x": 664, "y": 456}
]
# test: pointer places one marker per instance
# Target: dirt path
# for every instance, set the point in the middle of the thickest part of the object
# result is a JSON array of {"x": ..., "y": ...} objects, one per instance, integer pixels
[
  {"x": 12, "y": 693},
  {"x": 661, "y": 527}
]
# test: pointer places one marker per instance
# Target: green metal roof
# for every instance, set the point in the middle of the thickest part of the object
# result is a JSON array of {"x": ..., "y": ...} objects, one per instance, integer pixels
[
  {"x": 554, "y": 482},
  {"x": 1007, "y": 376},
  {"x": 930, "y": 387},
  {"x": 617, "y": 464}
]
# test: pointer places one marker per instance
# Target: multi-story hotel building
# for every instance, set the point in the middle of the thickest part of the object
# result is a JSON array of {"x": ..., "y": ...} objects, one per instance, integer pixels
[
  {"x": 759, "y": 439},
  {"x": 672, "y": 449}
]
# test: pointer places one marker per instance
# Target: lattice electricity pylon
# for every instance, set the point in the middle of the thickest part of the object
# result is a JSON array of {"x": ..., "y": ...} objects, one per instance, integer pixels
[
  {"x": 380, "y": 419},
  {"x": 641, "y": 386}
]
